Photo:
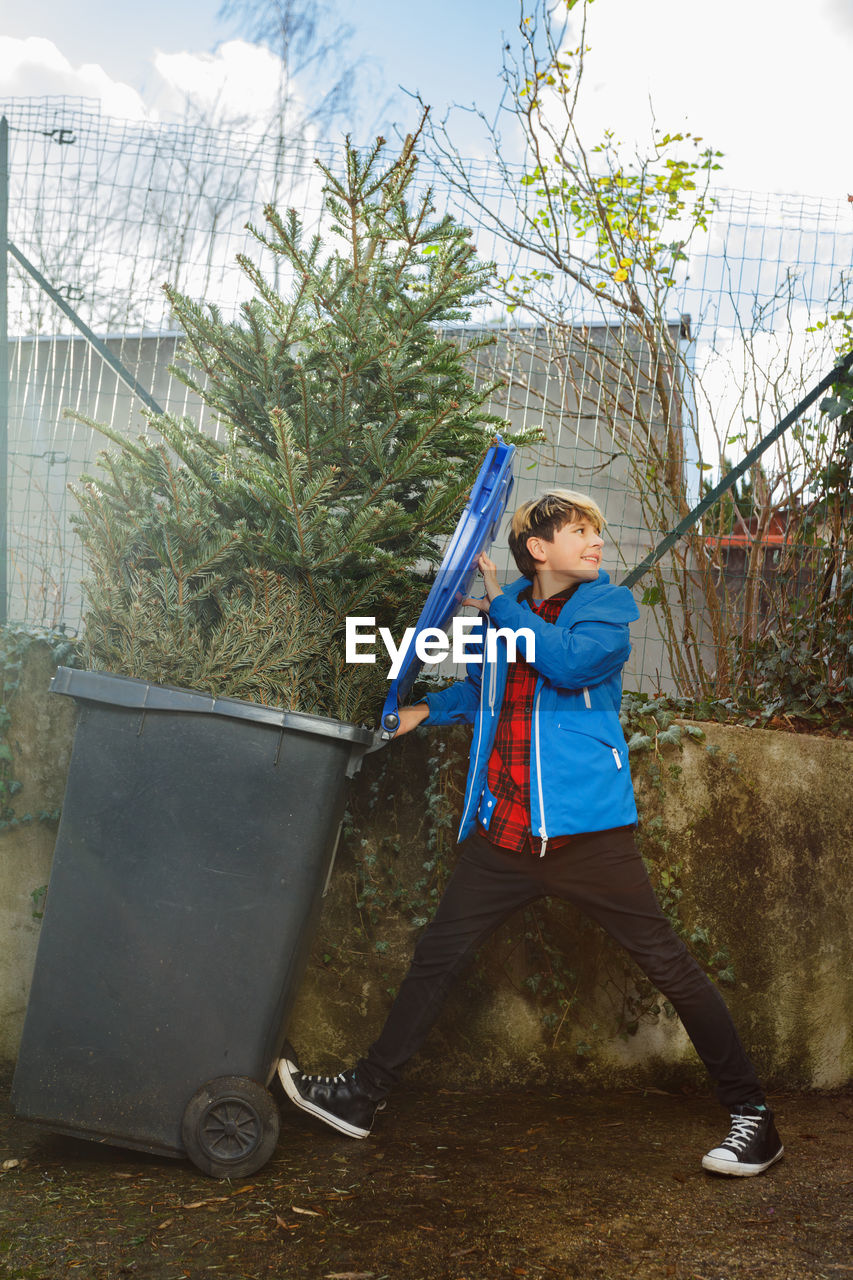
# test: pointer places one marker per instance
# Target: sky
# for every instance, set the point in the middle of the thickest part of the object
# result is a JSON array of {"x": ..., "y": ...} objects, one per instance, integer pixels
[{"x": 764, "y": 81}]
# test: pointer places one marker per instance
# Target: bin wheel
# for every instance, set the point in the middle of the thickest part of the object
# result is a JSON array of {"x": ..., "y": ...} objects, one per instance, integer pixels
[{"x": 230, "y": 1127}]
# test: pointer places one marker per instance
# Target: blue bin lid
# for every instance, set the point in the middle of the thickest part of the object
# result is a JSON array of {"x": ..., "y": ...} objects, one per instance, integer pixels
[{"x": 476, "y": 531}]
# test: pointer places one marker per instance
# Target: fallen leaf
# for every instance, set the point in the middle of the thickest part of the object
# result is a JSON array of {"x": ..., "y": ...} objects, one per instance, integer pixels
[
  {"x": 164, "y": 1225},
  {"x": 198, "y": 1204},
  {"x": 286, "y": 1226},
  {"x": 10, "y": 1164},
  {"x": 350, "y": 1275},
  {"x": 311, "y": 1213}
]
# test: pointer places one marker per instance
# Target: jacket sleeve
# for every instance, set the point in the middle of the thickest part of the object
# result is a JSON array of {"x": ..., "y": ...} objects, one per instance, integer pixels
[
  {"x": 455, "y": 705},
  {"x": 570, "y": 657},
  {"x": 458, "y": 703}
]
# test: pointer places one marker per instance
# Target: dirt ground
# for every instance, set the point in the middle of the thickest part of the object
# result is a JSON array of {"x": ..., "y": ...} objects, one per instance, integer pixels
[{"x": 457, "y": 1186}]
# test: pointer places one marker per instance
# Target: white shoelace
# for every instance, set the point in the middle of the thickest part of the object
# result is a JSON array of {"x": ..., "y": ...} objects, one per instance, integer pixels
[
  {"x": 380, "y": 1104},
  {"x": 339, "y": 1079},
  {"x": 743, "y": 1129}
]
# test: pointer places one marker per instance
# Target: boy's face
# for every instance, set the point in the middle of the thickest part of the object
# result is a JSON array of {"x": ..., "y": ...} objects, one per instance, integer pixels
[{"x": 574, "y": 552}]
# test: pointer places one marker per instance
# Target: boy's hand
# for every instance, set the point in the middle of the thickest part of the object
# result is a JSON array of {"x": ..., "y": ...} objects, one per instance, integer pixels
[
  {"x": 492, "y": 587},
  {"x": 411, "y": 717}
]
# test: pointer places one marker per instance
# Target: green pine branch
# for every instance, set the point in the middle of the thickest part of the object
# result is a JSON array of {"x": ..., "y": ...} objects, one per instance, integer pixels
[{"x": 354, "y": 426}]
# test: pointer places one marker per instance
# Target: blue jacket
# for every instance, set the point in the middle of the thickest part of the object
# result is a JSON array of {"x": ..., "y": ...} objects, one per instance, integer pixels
[{"x": 579, "y": 775}]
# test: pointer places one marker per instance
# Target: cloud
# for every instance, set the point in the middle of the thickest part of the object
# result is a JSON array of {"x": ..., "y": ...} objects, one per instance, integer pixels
[
  {"x": 240, "y": 81},
  {"x": 35, "y": 67},
  {"x": 756, "y": 81},
  {"x": 238, "y": 84},
  {"x": 841, "y": 10}
]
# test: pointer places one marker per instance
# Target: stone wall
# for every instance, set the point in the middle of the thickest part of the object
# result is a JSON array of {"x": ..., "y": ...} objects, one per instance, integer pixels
[
  {"x": 750, "y": 826},
  {"x": 747, "y": 831},
  {"x": 40, "y": 738}
]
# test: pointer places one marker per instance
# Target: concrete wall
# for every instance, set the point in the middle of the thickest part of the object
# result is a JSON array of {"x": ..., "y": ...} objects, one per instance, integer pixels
[{"x": 754, "y": 833}]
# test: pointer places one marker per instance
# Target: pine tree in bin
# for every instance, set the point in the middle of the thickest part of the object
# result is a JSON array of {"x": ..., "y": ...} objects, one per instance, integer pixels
[{"x": 351, "y": 430}]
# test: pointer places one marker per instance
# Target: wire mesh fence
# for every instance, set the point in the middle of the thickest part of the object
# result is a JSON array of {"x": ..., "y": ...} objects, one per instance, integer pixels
[{"x": 647, "y": 387}]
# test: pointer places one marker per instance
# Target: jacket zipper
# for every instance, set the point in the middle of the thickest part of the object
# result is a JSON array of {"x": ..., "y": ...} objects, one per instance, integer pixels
[
  {"x": 480, "y": 730},
  {"x": 543, "y": 834}
]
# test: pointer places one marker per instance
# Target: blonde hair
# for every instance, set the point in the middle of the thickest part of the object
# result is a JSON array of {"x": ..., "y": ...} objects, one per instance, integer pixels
[{"x": 545, "y": 515}]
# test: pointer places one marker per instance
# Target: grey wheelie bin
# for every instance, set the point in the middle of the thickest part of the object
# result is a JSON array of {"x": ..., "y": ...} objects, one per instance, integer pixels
[{"x": 196, "y": 840}]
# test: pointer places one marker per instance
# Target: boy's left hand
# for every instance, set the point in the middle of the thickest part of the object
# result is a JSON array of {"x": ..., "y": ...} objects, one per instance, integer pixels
[{"x": 492, "y": 587}]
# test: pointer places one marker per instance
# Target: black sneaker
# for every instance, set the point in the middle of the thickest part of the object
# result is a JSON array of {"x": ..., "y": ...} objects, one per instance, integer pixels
[
  {"x": 338, "y": 1101},
  {"x": 751, "y": 1147}
]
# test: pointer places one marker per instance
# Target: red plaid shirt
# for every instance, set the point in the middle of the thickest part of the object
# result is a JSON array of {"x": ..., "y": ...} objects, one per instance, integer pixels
[{"x": 509, "y": 764}]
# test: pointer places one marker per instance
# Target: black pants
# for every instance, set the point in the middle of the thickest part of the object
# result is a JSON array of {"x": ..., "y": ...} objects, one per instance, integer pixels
[{"x": 601, "y": 873}]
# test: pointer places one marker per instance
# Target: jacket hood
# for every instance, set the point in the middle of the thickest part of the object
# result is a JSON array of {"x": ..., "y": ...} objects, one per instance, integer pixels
[{"x": 601, "y": 601}]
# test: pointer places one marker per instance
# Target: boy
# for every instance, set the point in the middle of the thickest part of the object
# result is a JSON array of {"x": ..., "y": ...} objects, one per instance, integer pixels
[{"x": 549, "y": 810}]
